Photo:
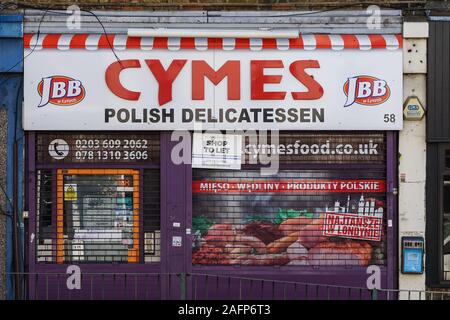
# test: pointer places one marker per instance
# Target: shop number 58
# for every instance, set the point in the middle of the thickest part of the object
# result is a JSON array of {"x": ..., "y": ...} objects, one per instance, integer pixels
[{"x": 389, "y": 117}]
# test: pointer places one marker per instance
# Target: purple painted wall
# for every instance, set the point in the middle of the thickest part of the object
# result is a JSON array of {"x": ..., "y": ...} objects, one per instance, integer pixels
[{"x": 151, "y": 281}]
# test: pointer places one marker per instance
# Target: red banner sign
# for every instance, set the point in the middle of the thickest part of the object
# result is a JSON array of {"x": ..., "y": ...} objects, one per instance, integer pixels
[
  {"x": 353, "y": 226},
  {"x": 288, "y": 186}
]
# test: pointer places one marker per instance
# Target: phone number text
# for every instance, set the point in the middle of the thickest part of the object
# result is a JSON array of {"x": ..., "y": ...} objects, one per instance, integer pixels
[{"x": 86, "y": 144}]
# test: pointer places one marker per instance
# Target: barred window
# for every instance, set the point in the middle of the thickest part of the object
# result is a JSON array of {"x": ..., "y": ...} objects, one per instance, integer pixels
[
  {"x": 93, "y": 216},
  {"x": 97, "y": 215},
  {"x": 151, "y": 215},
  {"x": 44, "y": 222}
]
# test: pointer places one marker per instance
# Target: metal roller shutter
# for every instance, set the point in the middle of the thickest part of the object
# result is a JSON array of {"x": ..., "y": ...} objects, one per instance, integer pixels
[
  {"x": 317, "y": 210},
  {"x": 88, "y": 210}
]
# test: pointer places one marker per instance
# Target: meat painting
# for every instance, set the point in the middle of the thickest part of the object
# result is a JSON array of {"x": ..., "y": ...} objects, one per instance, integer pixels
[{"x": 286, "y": 229}]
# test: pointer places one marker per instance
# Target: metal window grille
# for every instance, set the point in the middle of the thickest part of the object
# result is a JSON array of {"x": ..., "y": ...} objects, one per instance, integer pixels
[
  {"x": 97, "y": 215},
  {"x": 151, "y": 215},
  {"x": 93, "y": 215},
  {"x": 316, "y": 147},
  {"x": 44, "y": 224},
  {"x": 243, "y": 218}
]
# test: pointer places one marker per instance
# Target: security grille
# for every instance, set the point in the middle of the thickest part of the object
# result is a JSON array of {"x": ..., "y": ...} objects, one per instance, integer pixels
[
  {"x": 151, "y": 215},
  {"x": 93, "y": 215},
  {"x": 317, "y": 217},
  {"x": 97, "y": 215},
  {"x": 45, "y": 235},
  {"x": 98, "y": 211},
  {"x": 315, "y": 147}
]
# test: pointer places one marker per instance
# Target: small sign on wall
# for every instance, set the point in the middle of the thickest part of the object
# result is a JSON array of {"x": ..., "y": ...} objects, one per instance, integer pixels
[
  {"x": 413, "y": 109},
  {"x": 70, "y": 192},
  {"x": 217, "y": 151},
  {"x": 176, "y": 241}
]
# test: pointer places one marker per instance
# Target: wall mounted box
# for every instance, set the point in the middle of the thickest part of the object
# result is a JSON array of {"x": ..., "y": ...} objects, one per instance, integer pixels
[{"x": 412, "y": 255}]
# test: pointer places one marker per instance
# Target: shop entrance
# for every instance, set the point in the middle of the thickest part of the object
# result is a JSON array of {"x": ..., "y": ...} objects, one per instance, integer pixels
[
  {"x": 120, "y": 210},
  {"x": 97, "y": 212},
  {"x": 95, "y": 223}
]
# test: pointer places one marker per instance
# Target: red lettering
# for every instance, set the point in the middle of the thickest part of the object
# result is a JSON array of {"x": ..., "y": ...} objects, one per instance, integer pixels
[
  {"x": 258, "y": 79},
  {"x": 315, "y": 90},
  {"x": 230, "y": 69},
  {"x": 165, "y": 78},
  {"x": 112, "y": 78}
]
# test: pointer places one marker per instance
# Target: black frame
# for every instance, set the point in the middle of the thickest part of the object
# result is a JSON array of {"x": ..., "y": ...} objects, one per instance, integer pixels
[
  {"x": 438, "y": 138},
  {"x": 434, "y": 214}
]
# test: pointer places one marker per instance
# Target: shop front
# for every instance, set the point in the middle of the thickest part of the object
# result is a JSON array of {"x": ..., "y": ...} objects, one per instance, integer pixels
[{"x": 112, "y": 193}]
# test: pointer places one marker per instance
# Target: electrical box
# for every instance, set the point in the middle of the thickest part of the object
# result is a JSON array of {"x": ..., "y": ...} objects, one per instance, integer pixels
[{"x": 412, "y": 255}]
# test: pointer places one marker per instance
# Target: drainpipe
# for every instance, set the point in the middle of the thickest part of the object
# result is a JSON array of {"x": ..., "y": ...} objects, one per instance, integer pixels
[{"x": 16, "y": 249}]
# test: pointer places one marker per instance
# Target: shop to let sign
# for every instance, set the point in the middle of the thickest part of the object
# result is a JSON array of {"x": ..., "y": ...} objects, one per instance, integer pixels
[
  {"x": 240, "y": 89},
  {"x": 216, "y": 151}
]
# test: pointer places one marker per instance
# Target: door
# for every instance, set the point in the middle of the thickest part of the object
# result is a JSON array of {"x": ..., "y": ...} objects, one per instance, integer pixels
[{"x": 98, "y": 216}]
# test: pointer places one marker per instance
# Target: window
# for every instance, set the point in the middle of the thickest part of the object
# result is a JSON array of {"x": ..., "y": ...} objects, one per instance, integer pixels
[
  {"x": 447, "y": 159},
  {"x": 97, "y": 215},
  {"x": 44, "y": 223}
]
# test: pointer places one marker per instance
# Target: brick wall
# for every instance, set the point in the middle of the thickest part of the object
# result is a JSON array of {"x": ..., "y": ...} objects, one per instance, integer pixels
[{"x": 221, "y": 4}]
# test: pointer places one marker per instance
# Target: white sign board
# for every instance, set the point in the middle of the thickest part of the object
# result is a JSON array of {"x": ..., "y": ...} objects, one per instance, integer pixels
[
  {"x": 176, "y": 241},
  {"x": 166, "y": 89},
  {"x": 217, "y": 151}
]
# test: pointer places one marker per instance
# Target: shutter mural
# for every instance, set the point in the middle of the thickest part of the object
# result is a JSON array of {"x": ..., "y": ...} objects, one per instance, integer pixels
[{"x": 300, "y": 216}]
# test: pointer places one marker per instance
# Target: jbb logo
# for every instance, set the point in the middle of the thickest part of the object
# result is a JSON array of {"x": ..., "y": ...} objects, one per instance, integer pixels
[
  {"x": 366, "y": 90},
  {"x": 60, "y": 91}
]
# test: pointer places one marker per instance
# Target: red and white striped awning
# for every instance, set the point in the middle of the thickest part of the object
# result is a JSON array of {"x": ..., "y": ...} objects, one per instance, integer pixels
[{"x": 123, "y": 42}]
